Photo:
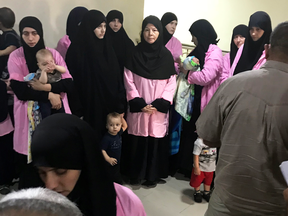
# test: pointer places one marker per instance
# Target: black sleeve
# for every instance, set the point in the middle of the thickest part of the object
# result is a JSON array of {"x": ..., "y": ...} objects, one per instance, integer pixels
[
  {"x": 63, "y": 85},
  {"x": 3, "y": 101},
  {"x": 137, "y": 104},
  {"x": 11, "y": 39},
  {"x": 25, "y": 93},
  {"x": 104, "y": 143},
  {"x": 161, "y": 105},
  {"x": 121, "y": 132}
]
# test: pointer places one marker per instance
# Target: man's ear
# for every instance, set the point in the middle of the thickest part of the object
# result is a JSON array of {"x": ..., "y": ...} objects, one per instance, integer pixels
[{"x": 267, "y": 48}]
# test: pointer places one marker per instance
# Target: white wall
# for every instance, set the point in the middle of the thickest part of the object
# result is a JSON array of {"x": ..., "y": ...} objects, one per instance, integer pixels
[
  {"x": 53, "y": 14},
  {"x": 224, "y": 15}
]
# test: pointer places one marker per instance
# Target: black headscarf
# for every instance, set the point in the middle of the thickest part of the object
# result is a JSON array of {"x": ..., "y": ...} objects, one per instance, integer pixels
[
  {"x": 66, "y": 142},
  {"x": 30, "y": 52},
  {"x": 238, "y": 30},
  {"x": 206, "y": 35},
  {"x": 95, "y": 70},
  {"x": 166, "y": 19},
  {"x": 122, "y": 44},
  {"x": 73, "y": 22},
  {"x": 253, "y": 50},
  {"x": 152, "y": 61}
]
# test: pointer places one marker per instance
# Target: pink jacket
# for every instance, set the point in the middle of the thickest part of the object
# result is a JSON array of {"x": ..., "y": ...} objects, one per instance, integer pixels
[
  {"x": 18, "y": 70},
  {"x": 63, "y": 45},
  {"x": 140, "y": 123},
  {"x": 261, "y": 61},
  {"x": 175, "y": 47},
  {"x": 209, "y": 77},
  {"x": 127, "y": 203}
]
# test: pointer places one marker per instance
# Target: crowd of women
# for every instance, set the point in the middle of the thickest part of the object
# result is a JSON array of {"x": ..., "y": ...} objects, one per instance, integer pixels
[{"x": 106, "y": 73}]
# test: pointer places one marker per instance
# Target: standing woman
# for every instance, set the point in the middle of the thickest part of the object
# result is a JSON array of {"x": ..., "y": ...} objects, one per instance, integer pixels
[
  {"x": 150, "y": 83},
  {"x": 22, "y": 62},
  {"x": 95, "y": 70},
  {"x": 206, "y": 81},
  {"x": 239, "y": 35},
  {"x": 121, "y": 42},
  {"x": 73, "y": 22},
  {"x": 253, "y": 53},
  {"x": 169, "y": 22}
]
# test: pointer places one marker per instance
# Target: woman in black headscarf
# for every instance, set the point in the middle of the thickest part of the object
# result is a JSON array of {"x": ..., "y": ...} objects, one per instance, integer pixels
[
  {"x": 239, "y": 35},
  {"x": 71, "y": 163},
  {"x": 73, "y": 22},
  {"x": 206, "y": 81},
  {"x": 253, "y": 55},
  {"x": 122, "y": 44},
  {"x": 94, "y": 67},
  {"x": 150, "y": 83},
  {"x": 22, "y": 62}
]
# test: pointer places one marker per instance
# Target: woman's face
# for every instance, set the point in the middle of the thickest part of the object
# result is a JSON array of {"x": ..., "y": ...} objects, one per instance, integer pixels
[
  {"x": 30, "y": 36},
  {"x": 256, "y": 33},
  {"x": 239, "y": 40},
  {"x": 194, "y": 40},
  {"x": 115, "y": 25},
  {"x": 62, "y": 181},
  {"x": 171, "y": 27},
  {"x": 150, "y": 33},
  {"x": 100, "y": 30}
]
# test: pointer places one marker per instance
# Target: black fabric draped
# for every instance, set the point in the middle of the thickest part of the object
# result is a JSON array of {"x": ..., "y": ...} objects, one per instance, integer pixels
[
  {"x": 238, "y": 30},
  {"x": 166, "y": 19},
  {"x": 206, "y": 35},
  {"x": 122, "y": 44},
  {"x": 3, "y": 101},
  {"x": 152, "y": 61},
  {"x": 253, "y": 50},
  {"x": 30, "y": 52},
  {"x": 66, "y": 142},
  {"x": 92, "y": 63},
  {"x": 73, "y": 21}
]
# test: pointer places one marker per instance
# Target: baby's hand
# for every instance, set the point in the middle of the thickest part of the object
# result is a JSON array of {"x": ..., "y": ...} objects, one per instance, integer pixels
[
  {"x": 197, "y": 171},
  {"x": 112, "y": 161},
  {"x": 196, "y": 60}
]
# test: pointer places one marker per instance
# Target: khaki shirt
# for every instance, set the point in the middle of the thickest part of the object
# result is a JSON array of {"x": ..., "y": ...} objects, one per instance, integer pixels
[{"x": 249, "y": 116}]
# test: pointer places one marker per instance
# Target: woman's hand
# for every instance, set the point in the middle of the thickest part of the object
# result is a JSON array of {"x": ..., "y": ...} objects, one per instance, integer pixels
[
  {"x": 37, "y": 85},
  {"x": 196, "y": 60},
  {"x": 149, "y": 109},
  {"x": 55, "y": 100}
]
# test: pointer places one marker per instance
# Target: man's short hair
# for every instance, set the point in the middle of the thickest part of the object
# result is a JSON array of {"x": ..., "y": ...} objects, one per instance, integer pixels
[
  {"x": 7, "y": 17},
  {"x": 37, "y": 201},
  {"x": 279, "y": 38}
]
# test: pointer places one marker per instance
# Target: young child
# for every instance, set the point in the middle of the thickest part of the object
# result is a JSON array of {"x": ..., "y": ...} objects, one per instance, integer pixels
[
  {"x": 48, "y": 72},
  {"x": 111, "y": 144},
  {"x": 203, "y": 171}
]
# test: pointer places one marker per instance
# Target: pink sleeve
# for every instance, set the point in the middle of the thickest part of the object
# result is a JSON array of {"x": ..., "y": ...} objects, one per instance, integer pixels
[
  {"x": 212, "y": 66},
  {"x": 226, "y": 68},
  {"x": 63, "y": 45},
  {"x": 236, "y": 60},
  {"x": 261, "y": 61},
  {"x": 177, "y": 53},
  {"x": 127, "y": 203},
  {"x": 131, "y": 90},
  {"x": 169, "y": 89},
  {"x": 14, "y": 67},
  {"x": 60, "y": 61}
]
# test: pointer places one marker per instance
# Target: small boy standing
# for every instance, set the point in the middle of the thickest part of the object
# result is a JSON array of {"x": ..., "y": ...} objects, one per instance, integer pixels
[
  {"x": 111, "y": 144},
  {"x": 203, "y": 171}
]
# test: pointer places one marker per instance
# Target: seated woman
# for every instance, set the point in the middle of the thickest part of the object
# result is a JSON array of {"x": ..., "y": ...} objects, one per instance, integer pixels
[{"x": 71, "y": 163}]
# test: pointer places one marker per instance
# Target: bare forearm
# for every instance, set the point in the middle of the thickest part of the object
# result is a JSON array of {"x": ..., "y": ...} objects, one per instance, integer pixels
[
  {"x": 43, "y": 77},
  {"x": 106, "y": 156},
  {"x": 7, "y": 51},
  {"x": 124, "y": 124},
  {"x": 61, "y": 69},
  {"x": 196, "y": 161}
]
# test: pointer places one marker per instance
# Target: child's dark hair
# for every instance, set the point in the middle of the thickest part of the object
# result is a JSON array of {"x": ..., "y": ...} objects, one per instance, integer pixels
[
  {"x": 113, "y": 115},
  {"x": 7, "y": 17}
]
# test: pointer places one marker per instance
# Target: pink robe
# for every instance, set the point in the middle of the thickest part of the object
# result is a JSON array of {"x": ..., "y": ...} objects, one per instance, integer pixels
[
  {"x": 63, "y": 45},
  {"x": 140, "y": 123},
  {"x": 226, "y": 68},
  {"x": 127, "y": 203},
  {"x": 18, "y": 70},
  {"x": 209, "y": 77},
  {"x": 175, "y": 47},
  {"x": 261, "y": 61}
]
